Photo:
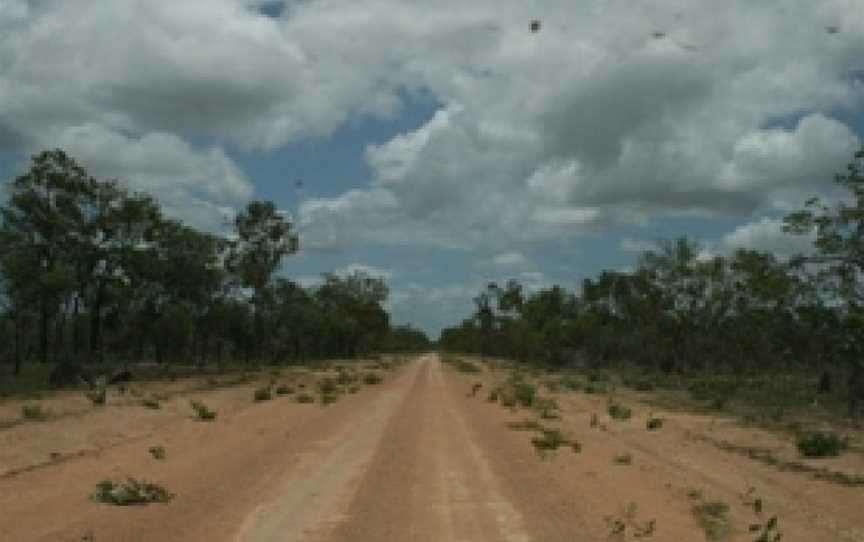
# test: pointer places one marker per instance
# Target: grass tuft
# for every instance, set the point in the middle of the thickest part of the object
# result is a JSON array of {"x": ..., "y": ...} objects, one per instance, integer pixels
[
  {"x": 263, "y": 394},
  {"x": 151, "y": 403},
  {"x": 131, "y": 492},
  {"x": 618, "y": 411},
  {"x": 370, "y": 379},
  {"x": 819, "y": 444},
  {"x": 202, "y": 412},
  {"x": 713, "y": 517},
  {"x": 34, "y": 412},
  {"x": 158, "y": 452},
  {"x": 653, "y": 423}
]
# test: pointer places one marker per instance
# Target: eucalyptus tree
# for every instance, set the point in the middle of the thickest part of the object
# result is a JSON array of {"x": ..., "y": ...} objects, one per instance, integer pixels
[
  {"x": 264, "y": 236},
  {"x": 43, "y": 224},
  {"x": 839, "y": 245}
]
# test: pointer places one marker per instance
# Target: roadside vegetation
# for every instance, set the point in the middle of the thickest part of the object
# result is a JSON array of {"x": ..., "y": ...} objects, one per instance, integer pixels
[
  {"x": 98, "y": 287},
  {"x": 130, "y": 492},
  {"x": 775, "y": 342}
]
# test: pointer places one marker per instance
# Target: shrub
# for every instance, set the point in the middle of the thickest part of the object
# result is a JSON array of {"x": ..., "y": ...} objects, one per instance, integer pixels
[
  {"x": 329, "y": 398},
  {"x": 718, "y": 389},
  {"x": 548, "y": 409},
  {"x": 370, "y": 379},
  {"x": 623, "y": 459},
  {"x": 654, "y": 423},
  {"x": 344, "y": 378},
  {"x": 131, "y": 492},
  {"x": 552, "y": 439},
  {"x": 305, "y": 398},
  {"x": 818, "y": 444},
  {"x": 97, "y": 396},
  {"x": 713, "y": 517},
  {"x": 619, "y": 412},
  {"x": 327, "y": 386},
  {"x": 571, "y": 383},
  {"x": 508, "y": 400},
  {"x": 33, "y": 412},
  {"x": 524, "y": 393},
  {"x": 202, "y": 412},
  {"x": 151, "y": 403},
  {"x": 263, "y": 394},
  {"x": 493, "y": 395},
  {"x": 597, "y": 377},
  {"x": 595, "y": 420},
  {"x": 158, "y": 452},
  {"x": 353, "y": 389},
  {"x": 596, "y": 387},
  {"x": 284, "y": 390},
  {"x": 552, "y": 386}
]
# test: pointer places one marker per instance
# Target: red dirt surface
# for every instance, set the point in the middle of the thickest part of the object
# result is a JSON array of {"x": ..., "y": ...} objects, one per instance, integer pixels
[{"x": 413, "y": 459}]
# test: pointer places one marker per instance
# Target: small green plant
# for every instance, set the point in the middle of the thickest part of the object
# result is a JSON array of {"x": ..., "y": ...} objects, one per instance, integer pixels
[
  {"x": 329, "y": 398},
  {"x": 819, "y": 444},
  {"x": 151, "y": 403},
  {"x": 34, "y": 412},
  {"x": 618, "y": 411},
  {"x": 97, "y": 396},
  {"x": 764, "y": 530},
  {"x": 548, "y": 409},
  {"x": 493, "y": 395},
  {"x": 551, "y": 439},
  {"x": 713, "y": 517},
  {"x": 653, "y": 423},
  {"x": 131, "y": 492},
  {"x": 327, "y": 386},
  {"x": 370, "y": 379},
  {"x": 524, "y": 393},
  {"x": 284, "y": 390},
  {"x": 158, "y": 452},
  {"x": 263, "y": 394},
  {"x": 345, "y": 378},
  {"x": 202, "y": 412},
  {"x": 619, "y": 525},
  {"x": 305, "y": 398},
  {"x": 595, "y": 419},
  {"x": 623, "y": 459}
]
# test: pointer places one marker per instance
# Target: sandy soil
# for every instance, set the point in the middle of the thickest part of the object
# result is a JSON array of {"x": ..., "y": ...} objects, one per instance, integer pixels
[{"x": 415, "y": 458}]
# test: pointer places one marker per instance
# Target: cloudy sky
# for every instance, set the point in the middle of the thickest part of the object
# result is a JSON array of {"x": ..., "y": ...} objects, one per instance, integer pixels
[{"x": 442, "y": 148}]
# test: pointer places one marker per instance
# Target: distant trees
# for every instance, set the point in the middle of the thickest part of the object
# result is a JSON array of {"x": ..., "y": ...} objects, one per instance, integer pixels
[
  {"x": 679, "y": 312},
  {"x": 91, "y": 271}
]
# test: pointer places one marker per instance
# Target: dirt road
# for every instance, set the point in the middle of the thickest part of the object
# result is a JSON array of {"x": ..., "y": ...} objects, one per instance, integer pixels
[{"x": 417, "y": 459}]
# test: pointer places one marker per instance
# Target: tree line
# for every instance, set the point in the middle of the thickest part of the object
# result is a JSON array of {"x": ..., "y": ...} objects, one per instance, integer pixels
[
  {"x": 90, "y": 271},
  {"x": 680, "y": 312}
]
